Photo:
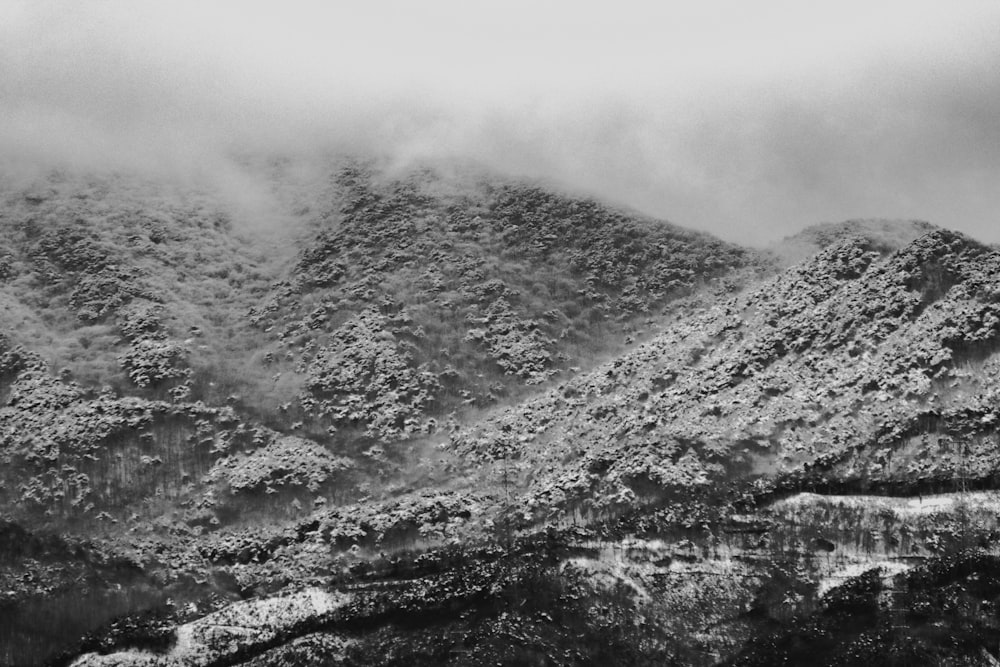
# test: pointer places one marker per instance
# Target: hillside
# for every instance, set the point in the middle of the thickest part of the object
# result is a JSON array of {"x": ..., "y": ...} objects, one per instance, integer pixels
[
  {"x": 855, "y": 351},
  {"x": 462, "y": 420},
  {"x": 472, "y": 289},
  {"x": 177, "y": 375}
]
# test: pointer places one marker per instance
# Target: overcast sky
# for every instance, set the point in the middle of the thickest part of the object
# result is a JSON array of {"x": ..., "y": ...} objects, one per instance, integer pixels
[{"x": 747, "y": 119}]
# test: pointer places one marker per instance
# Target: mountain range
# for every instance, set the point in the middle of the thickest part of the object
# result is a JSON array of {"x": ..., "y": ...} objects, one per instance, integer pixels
[{"x": 435, "y": 415}]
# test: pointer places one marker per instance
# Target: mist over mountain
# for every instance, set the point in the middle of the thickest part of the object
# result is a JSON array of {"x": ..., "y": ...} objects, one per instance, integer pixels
[
  {"x": 746, "y": 122},
  {"x": 519, "y": 334}
]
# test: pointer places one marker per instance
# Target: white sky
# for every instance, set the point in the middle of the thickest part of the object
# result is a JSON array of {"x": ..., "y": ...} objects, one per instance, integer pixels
[{"x": 746, "y": 119}]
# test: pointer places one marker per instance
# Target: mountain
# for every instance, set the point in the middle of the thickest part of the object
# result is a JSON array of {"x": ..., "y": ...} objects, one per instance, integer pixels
[
  {"x": 443, "y": 417},
  {"x": 177, "y": 372}
]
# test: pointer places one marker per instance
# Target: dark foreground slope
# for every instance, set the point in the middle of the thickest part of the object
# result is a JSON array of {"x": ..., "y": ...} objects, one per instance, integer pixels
[{"x": 185, "y": 381}]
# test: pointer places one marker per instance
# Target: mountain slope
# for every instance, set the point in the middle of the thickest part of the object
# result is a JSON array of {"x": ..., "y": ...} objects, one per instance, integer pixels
[
  {"x": 473, "y": 288},
  {"x": 663, "y": 479},
  {"x": 865, "y": 368},
  {"x": 177, "y": 379},
  {"x": 459, "y": 420}
]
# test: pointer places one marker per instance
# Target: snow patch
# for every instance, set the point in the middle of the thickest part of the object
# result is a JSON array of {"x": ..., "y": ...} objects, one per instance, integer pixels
[
  {"x": 228, "y": 630},
  {"x": 901, "y": 505},
  {"x": 836, "y": 578}
]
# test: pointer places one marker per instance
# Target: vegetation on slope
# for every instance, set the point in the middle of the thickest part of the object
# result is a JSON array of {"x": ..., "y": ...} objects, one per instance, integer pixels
[
  {"x": 179, "y": 397},
  {"x": 858, "y": 367},
  {"x": 393, "y": 416},
  {"x": 434, "y": 295}
]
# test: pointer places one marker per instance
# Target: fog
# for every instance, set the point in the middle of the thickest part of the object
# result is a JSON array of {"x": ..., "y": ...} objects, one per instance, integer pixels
[{"x": 747, "y": 122}]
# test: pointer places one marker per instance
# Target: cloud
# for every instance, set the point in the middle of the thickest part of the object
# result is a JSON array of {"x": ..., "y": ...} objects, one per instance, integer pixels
[{"x": 749, "y": 120}]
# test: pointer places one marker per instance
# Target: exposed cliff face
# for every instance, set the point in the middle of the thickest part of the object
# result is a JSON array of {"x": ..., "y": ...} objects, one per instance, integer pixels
[{"x": 471, "y": 422}]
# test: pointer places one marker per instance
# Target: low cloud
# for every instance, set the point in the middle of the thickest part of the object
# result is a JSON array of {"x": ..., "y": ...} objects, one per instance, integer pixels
[{"x": 748, "y": 123}]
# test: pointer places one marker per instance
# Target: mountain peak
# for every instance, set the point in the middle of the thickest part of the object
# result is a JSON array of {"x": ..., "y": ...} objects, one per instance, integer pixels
[{"x": 884, "y": 234}]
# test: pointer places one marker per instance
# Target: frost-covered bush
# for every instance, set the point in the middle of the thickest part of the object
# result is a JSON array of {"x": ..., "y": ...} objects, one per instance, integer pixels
[
  {"x": 141, "y": 319},
  {"x": 149, "y": 361},
  {"x": 362, "y": 378},
  {"x": 287, "y": 461},
  {"x": 97, "y": 295},
  {"x": 518, "y": 346}
]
